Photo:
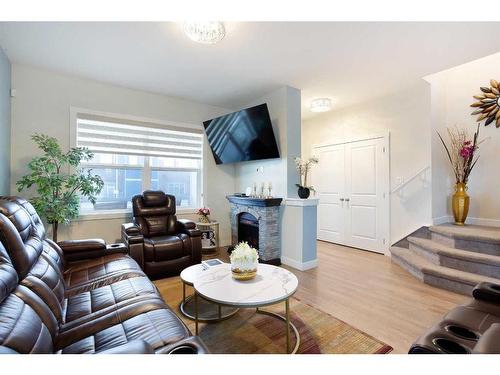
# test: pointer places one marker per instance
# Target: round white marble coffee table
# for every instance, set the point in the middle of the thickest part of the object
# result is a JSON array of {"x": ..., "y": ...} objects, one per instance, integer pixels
[
  {"x": 207, "y": 311},
  {"x": 272, "y": 285}
]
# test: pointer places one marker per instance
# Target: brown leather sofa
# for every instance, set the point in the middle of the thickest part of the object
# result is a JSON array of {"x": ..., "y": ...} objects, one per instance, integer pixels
[
  {"x": 77, "y": 296},
  {"x": 162, "y": 245},
  {"x": 471, "y": 328}
]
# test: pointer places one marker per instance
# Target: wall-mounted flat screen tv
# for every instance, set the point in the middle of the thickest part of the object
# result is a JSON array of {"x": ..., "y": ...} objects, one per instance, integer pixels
[{"x": 242, "y": 136}]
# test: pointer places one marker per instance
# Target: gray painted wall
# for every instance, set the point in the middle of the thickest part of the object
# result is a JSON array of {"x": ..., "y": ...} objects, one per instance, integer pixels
[{"x": 4, "y": 124}]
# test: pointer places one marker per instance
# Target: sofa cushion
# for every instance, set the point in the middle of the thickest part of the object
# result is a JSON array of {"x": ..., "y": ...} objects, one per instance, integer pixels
[
  {"x": 90, "y": 274},
  {"x": 23, "y": 247},
  {"x": 8, "y": 275},
  {"x": 154, "y": 198},
  {"x": 158, "y": 328},
  {"x": 97, "y": 302},
  {"x": 21, "y": 329},
  {"x": 161, "y": 248},
  {"x": 157, "y": 225}
]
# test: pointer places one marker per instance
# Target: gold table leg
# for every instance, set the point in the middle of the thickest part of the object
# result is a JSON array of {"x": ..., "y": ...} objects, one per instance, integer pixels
[
  {"x": 196, "y": 312},
  {"x": 289, "y": 326},
  {"x": 287, "y": 309}
]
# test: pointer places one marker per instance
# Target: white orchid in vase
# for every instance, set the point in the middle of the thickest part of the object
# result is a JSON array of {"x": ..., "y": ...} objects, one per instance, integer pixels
[{"x": 303, "y": 167}]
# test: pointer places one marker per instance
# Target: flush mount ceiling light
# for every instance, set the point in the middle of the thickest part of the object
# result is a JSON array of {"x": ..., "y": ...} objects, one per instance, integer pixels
[
  {"x": 321, "y": 105},
  {"x": 206, "y": 32}
]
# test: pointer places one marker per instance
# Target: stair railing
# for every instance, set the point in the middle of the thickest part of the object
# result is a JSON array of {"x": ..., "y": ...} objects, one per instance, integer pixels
[{"x": 421, "y": 173}]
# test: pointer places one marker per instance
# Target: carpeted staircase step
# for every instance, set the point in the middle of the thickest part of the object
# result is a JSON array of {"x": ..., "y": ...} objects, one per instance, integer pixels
[
  {"x": 438, "y": 276},
  {"x": 477, "y": 238},
  {"x": 442, "y": 255}
]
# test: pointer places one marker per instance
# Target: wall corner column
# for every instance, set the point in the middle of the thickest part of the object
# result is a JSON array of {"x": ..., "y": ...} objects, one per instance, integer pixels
[{"x": 299, "y": 233}]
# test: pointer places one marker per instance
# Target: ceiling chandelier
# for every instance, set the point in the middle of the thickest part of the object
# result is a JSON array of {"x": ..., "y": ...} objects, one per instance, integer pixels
[
  {"x": 206, "y": 32},
  {"x": 321, "y": 105}
]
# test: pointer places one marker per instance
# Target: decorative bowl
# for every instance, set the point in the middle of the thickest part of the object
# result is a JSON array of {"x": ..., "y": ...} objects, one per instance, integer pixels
[{"x": 243, "y": 275}]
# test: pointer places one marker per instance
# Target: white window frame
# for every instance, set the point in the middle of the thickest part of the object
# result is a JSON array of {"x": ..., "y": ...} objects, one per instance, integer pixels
[{"x": 147, "y": 168}]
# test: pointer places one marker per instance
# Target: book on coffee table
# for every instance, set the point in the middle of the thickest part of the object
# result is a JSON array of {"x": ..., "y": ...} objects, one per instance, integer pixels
[{"x": 206, "y": 264}]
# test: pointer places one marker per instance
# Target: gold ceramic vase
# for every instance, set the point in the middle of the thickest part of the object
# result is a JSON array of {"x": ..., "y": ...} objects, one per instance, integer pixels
[{"x": 460, "y": 203}]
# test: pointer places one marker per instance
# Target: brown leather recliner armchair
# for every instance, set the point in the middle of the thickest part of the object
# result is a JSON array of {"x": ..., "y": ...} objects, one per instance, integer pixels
[{"x": 161, "y": 244}]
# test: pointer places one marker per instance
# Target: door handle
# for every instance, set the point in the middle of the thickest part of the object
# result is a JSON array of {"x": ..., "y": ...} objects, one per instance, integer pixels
[
  {"x": 347, "y": 199},
  {"x": 342, "y": 199}
]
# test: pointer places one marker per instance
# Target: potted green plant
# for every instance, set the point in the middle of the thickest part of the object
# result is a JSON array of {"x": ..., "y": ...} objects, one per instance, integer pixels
[
  {"x": 59, "y": 181},
  {"x": 303, "y": 167}
]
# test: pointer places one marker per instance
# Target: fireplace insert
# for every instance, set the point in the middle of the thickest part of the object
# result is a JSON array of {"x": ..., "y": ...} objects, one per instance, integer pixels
[{"x": 248, "y": 229}]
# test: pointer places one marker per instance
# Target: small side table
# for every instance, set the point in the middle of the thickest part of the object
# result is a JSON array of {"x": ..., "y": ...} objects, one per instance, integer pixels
[
  {"x": 207, "y": 311},
  {"x": 214, "y": 226}
]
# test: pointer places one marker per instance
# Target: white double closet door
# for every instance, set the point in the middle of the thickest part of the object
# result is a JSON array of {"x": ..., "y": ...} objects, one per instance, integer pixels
[{"x": 352, "y": 181}]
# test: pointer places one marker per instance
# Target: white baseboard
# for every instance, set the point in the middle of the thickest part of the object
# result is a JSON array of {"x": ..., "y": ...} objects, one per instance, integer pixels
[
  {"x": 301, "y": 266},
  {"x": 470, "y": 220},
  {"x": 441, "y": 220}
]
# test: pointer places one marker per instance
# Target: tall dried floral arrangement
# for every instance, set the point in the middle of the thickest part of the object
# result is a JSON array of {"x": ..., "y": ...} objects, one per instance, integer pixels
[{"x": 462, "y": 152}]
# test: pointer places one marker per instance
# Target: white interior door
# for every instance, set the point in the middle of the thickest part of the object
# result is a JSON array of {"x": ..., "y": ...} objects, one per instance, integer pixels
[
  {"x": 366, "y": 183},
  {"x": 328, "y": 181},
  {"x": 352, "y": 182}
]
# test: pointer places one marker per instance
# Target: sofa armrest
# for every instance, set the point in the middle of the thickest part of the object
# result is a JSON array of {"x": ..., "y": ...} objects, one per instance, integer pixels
[
  {"x": 489, "y": 342},
  {"x": 188, "y": 227},
  {"x": 131, "y": 229},
  {"x": 75, "y": 250},
  {"x": 190, "y": 345},
  {"x": 132, "y": 347},
  {"x": 132, "y": 236},
  {"x": 487, "y": 292},
  {"x": 117, "y": 248},
  {"x": 131, "y": 233}
]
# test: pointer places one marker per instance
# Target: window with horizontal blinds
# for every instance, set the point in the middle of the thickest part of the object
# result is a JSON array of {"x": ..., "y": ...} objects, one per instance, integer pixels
[
  {"x": 132, "y": 156},
  {"x": 144, "y": 140}
]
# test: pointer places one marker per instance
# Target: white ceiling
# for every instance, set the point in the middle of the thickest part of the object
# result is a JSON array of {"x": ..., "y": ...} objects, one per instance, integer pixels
[{"x": 349, "y": 62}]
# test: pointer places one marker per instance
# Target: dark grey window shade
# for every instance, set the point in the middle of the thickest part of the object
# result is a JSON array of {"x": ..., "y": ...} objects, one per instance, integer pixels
[{"x": 133, "y": 138}]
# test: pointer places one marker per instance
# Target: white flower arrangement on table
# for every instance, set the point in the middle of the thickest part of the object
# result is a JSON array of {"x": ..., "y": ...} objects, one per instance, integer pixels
[{"x": 244, "y": 261}]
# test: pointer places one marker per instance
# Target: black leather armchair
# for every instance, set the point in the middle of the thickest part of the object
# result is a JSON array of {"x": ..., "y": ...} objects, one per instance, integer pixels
[{"x": 162, "y": 245}]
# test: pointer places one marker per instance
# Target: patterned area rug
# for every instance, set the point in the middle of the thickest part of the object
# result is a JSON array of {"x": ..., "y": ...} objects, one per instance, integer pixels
[{"x": 249, "y": 332}]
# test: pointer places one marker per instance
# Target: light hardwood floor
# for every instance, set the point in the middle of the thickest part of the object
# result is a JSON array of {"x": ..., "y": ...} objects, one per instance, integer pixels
[
  {"x": 367, "y": 291},
  {"x": 372, "y": 294}
]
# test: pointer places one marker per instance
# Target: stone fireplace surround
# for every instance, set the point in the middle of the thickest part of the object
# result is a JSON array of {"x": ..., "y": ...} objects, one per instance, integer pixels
[{"x": 267, "y": 212}]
